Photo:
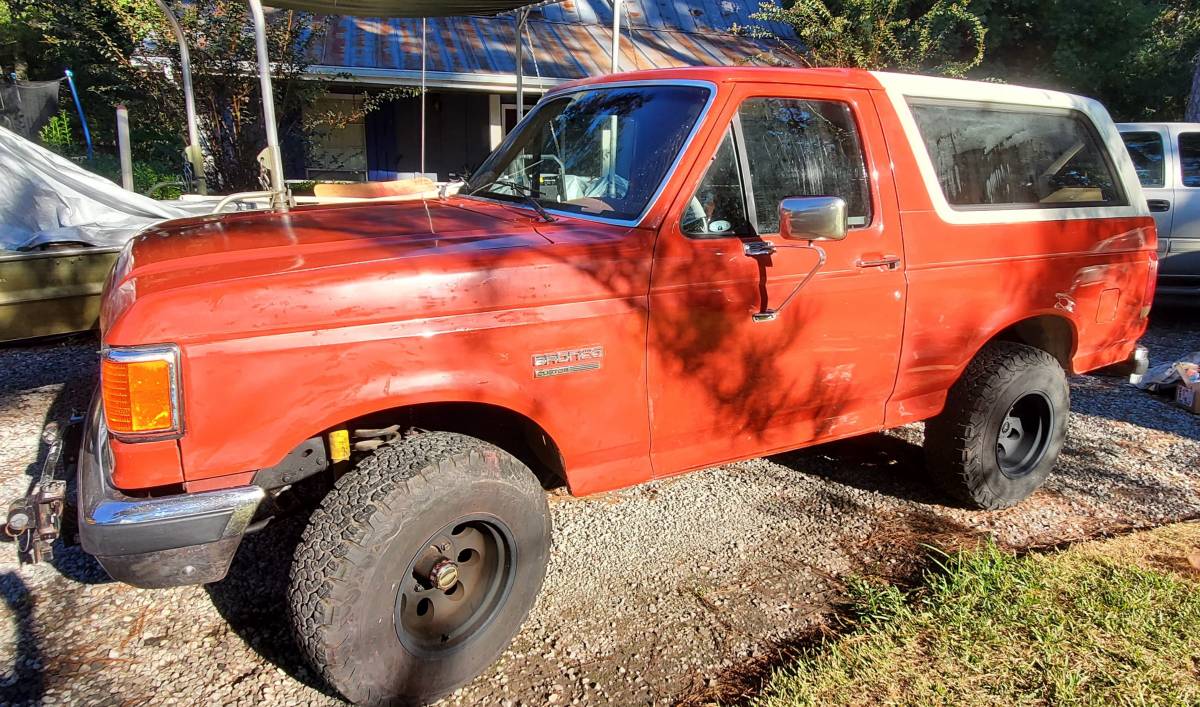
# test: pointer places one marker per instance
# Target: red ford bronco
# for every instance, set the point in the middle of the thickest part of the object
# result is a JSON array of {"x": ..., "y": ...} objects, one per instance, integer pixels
[{"x": 655, "y": 272}]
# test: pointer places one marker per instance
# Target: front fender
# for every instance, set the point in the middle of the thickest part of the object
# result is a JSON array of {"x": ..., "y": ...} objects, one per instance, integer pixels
[{"x": 247, "y": 403}]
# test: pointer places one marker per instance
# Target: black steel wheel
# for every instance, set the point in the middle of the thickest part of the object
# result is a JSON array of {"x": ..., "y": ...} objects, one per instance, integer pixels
[
  {"x": 1024, "y": 434},
  {"x": 1004, "y": 423},
  {"x": 419, "y": 568},
  {"x": 455, "y": 585}
]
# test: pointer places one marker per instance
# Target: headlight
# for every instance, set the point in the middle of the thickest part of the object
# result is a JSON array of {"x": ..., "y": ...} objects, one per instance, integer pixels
[{"x": 140, "y": 389}]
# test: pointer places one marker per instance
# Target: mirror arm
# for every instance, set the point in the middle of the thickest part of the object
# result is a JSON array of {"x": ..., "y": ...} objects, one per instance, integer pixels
[{"x": 771, "y": 315}]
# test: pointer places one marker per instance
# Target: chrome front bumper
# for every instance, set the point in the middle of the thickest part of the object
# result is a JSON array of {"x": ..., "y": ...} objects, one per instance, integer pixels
[{"x": 160, "y": 541}]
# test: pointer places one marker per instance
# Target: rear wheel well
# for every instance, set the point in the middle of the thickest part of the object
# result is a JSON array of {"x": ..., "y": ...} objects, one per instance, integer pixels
[
  {"x": 1054, "y": 335},
  {"x": 511, "y": 431}
]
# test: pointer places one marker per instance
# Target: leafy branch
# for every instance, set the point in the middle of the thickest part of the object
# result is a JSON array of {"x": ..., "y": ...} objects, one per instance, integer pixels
[{"x": 946, "y": 39}]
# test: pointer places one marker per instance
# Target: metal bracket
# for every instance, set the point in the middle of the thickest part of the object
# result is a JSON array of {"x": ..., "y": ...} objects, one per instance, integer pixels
[
  {"x": 755, "y": 249},
  {"x": 281, "y": 198}
]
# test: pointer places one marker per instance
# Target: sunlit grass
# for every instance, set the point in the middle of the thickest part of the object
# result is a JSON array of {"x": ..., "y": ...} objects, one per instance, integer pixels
[{"x": 1100, "y": 624}]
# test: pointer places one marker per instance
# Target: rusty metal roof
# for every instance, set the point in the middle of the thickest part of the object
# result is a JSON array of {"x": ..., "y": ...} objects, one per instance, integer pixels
[
  {"x": 407, "y": 8},
  {"x": 569, "y": 40}
]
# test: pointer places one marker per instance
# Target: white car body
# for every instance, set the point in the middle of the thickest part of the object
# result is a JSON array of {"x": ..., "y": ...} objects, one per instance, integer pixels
[{"x": 1167, "y": 159}]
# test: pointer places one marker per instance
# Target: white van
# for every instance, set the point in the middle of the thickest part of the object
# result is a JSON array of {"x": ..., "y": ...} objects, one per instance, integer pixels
[{"x": 1167, "y": 159}]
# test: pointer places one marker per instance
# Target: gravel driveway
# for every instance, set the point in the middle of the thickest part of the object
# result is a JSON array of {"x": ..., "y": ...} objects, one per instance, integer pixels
[{"x": 672, "y": 590}]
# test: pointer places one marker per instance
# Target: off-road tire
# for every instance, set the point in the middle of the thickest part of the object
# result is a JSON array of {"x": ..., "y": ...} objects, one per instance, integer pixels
[
  {"x": 961, "y": 443},
  {"x": 358, "y": 543}
]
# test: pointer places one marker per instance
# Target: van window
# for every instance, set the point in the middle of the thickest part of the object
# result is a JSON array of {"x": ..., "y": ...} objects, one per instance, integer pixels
[
  {"x": 1000, "y": 156},
  {"x": 803, "y": 148},
  {"x": 1146, "y": 149},
  {"x": 1189, "y": 156}
]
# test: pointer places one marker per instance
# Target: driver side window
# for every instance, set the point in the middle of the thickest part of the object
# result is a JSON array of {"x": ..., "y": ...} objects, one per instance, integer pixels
[
  {"x": 778, "y": 148},
  {"x": 718, "y": 208}
]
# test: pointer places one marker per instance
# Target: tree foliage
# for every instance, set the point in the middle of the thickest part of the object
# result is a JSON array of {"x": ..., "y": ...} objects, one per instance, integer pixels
[
  {"x": 1191, "y": 112},
  {"x": 97, "y": 40},
  {"x": 1135, "y": 56},
  {"x": 942, "y": 38},
  {"x": 227, "y": 86}
]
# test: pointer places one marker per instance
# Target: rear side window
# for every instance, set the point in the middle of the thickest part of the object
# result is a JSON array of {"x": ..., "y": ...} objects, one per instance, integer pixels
[
  {"x": 1189, "y": 156},
  {"x": 1146, "y": 149},
  {"x": 994, "y": 156}
]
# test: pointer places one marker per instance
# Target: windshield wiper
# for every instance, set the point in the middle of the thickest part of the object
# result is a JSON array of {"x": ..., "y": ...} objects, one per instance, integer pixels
[{"x": 526, "y": 193}]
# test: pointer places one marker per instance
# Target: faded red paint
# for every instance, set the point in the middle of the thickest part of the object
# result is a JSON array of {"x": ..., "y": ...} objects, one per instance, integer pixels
[{"x": 293, "y": 323}]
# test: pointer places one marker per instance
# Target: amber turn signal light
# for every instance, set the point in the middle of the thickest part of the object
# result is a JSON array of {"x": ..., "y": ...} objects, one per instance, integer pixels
[{"x": 139, "y": 387}]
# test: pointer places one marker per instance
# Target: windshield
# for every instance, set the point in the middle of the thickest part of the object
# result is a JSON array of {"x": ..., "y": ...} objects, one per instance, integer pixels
[{"x": 602, "y": 152}]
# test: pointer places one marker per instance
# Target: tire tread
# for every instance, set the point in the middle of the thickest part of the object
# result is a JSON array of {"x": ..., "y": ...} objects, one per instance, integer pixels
[
  {"x": 953, "y": 440},
  {"x": 337, "y": 543}
]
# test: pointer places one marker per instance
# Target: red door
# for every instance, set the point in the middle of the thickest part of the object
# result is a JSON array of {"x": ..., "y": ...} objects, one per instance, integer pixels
[{"x": 723, "y": 386}]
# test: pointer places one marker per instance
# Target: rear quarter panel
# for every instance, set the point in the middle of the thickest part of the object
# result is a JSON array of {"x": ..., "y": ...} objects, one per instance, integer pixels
[{"x": 971, "y": 278}]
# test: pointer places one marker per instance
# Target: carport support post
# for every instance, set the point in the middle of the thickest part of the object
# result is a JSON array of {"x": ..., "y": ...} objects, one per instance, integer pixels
[
  {"x": 616, "y": 38},
  {"x": 522, "y": 16},
  {"x": 193, "y": 153},
  {"x": 279, "y": 194},
  {"x": 424, "y": 49},
  {"x": 123, "y": 147}
]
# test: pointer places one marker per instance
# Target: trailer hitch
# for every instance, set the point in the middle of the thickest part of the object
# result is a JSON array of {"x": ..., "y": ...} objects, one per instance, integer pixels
[{"x": 36, "y": 520}]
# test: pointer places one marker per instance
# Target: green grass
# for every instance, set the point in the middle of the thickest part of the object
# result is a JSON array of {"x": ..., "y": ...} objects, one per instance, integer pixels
[{"x": 1085, "y": 626}]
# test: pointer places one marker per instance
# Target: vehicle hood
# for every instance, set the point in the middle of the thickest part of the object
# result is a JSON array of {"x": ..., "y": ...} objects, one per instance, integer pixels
[{"x": 261, "y": 269}]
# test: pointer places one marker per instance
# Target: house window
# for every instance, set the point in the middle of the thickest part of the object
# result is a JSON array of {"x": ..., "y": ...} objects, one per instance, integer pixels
[
  {"x": 339, "y": 151},
  {"x": 993, "y": 155},
  {"x": 510, "y": 115},
  {"x": 1146, "y": 150}
]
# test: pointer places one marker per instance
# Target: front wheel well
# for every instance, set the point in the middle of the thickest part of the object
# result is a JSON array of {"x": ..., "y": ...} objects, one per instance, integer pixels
[
  {"x": 511, "y": 431},
  {"x": 1052, "y": 334}
]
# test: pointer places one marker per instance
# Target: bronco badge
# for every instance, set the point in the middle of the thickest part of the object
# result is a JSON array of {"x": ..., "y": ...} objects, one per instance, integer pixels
[{"x": 557, "y": 363}]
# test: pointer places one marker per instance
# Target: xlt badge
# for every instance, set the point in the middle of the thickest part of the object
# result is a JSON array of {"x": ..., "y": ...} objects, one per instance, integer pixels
[{"x": 557, "y": 363}]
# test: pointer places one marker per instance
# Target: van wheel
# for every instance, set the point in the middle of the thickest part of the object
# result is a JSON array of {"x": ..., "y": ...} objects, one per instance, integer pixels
[
  {"x": 1003, "y": 426},
  {"x": 418, "y": 568}
]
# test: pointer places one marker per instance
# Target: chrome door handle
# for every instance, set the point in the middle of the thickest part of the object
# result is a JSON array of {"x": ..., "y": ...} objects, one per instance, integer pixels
[
  {"x": 757, "y": 249},
  {"x": 891, "y": 262}
]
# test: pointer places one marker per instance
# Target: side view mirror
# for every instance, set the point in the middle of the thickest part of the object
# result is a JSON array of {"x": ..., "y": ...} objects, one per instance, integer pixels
[{"x": 812, "y": 218}]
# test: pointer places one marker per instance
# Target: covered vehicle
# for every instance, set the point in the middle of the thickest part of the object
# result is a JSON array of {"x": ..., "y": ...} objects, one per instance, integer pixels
[{"x": 61, "y": 228}]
